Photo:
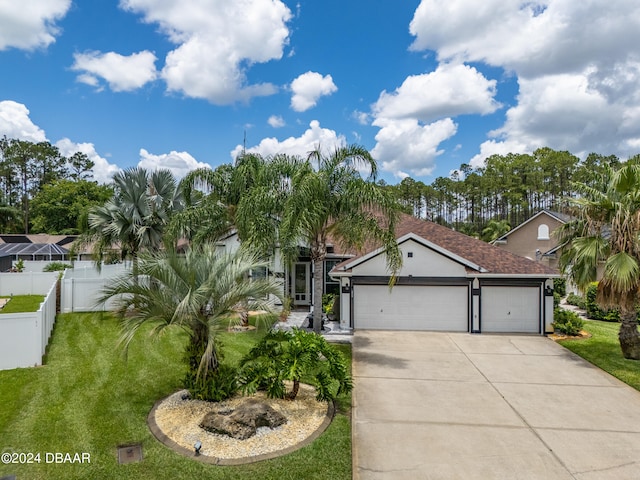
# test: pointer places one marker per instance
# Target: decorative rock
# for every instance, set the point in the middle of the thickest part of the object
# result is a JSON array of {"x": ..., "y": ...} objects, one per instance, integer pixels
[{"x": 243, "y": 421}]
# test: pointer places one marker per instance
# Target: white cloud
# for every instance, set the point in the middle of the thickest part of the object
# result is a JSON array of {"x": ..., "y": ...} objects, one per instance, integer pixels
[
  {"x": 532, "y": 38},
  {"x": 448, "y": 91},
  {"x": 179, "y": 163},
  {"x": 103, "y": 171},
  {"x": 564, "y": 113},
  {"x": 491, "y": 147},
  {"x": 276, "y": 121},
  {"x": 308, "y": 88},
  {"x": 30, "y": 24},
  {"x": 363, "y": 118},
  {"x": 122, "y": 73},
  {"x": 406, "y": 146},
  {"x": 15, "y": 123},
  {"x": 217, "y": 42},
  {"x": 576, "y": 63},
  {"x": 313, "y": 137},
  {"x": 416, "y": 117}
]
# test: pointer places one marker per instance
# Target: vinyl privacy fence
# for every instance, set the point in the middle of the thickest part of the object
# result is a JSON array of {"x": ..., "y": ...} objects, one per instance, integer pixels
[
  {"x": 24, "y": 336},
  {"x": 80, "y": 288}
]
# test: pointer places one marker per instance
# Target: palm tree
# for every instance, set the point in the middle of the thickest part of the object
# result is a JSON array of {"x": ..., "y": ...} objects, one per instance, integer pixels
[
  {"x": 218, "y": 194},
  {"x": 136, "y": 217},
  {"x": 307, "y": 205},
  {"x": 606, "y": 233},
  {"x": 495, "y": 229},
  {"x": 197, "y": 292}
]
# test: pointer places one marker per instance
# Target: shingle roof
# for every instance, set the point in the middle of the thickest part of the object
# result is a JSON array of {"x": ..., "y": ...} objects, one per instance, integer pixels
[{"x": 491, "y": 258}]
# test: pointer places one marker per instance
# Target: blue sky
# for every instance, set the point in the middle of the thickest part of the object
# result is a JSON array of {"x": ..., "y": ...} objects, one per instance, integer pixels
[{"x": 425, "y": 85}]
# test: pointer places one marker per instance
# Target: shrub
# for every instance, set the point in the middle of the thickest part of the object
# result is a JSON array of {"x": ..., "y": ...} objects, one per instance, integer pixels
[
  {"x": 56, "y": 267},
  {"x": 294, "y": 355},
  {"x": 576, "y": 300},
  {"x": 214, "y": 386},
  {"x": 560, "y": 286},
  {"x": 556, "y": 299},
  {"x": 594, "y": 311},
  {"x": 328, "y": 300},
  {"x": 567, "y": 322},
  {"x": 219, "y": 385}
]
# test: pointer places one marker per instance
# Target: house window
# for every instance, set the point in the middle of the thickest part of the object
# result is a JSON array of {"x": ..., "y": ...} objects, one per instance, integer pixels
[
  {"x": 330, "y": 285},
  {"x": 543, "y": 232},
  {"x": 259, "y": 273}
]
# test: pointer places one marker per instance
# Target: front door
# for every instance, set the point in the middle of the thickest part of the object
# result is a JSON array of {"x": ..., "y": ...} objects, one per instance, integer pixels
[{"x": 301, "y": 284}]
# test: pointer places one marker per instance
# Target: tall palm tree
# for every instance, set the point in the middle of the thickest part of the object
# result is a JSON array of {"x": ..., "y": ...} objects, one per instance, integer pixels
[
  {"x": 606, "y": 233},
  {"x": 197, "y": 292},
  {"x": 317, "y": 198},
  {"x": 136, "y": 217},
  {"x": 220, "y": 192}
]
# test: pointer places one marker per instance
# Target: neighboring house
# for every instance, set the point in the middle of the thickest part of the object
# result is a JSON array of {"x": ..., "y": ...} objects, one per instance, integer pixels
[
  {"x": 36, "y": 247},
  {"x": 448, "y": 282},
  {"x": 534, "y": 239}
]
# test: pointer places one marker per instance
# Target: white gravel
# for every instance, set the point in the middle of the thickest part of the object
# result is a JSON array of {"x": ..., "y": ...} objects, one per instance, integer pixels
[{"x": 179, "y": 420}]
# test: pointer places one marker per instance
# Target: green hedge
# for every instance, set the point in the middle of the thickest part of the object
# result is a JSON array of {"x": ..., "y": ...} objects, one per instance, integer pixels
[
  {"x": 594, "y": 311},
  {"x": 567, "y": 322}
]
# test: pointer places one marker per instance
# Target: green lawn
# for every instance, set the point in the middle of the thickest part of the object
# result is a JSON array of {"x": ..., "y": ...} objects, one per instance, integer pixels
[
  {"x": 603, "y": 350},
  {"x": 88, "y": 399},
  {"x": 22, "y": 303}
]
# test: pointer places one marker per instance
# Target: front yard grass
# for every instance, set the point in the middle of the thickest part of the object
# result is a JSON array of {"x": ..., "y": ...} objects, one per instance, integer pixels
[
  {"x": 89, "y": 399},
  {"x": 603, "y": 350}
]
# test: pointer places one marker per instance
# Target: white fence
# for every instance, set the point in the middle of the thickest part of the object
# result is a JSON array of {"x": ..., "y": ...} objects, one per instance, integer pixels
[
  {"x": 81, "y": 287},
  {"x": 24, "y": 336}
]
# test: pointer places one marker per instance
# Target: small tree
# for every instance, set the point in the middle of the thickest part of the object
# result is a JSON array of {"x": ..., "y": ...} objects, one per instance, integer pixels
[
  {"x": 197, "y": 292},
  {"x": 293, "y": 355}
]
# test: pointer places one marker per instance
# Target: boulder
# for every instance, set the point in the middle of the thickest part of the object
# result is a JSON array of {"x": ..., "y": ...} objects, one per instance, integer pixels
[{"x": 242, "y": 422}]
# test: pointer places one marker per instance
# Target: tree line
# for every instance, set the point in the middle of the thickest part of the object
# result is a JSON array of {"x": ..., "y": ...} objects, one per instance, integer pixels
[
  {"x": 506, "y": 191},
  {"x": 42, "y": 191}
]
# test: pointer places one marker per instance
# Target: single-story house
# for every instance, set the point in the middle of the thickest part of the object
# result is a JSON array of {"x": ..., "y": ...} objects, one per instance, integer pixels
[
  {"x": 534, "y": 238},
  {"x": 297, "y": 279},
  {"x": 448, "y": 282}
]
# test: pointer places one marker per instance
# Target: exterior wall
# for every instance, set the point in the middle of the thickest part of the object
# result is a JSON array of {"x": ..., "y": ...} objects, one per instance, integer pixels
[
  {"x": 524, "y": 241},
  {"x": 24, "y": 336},
  {"x": 424, "y": 262}
]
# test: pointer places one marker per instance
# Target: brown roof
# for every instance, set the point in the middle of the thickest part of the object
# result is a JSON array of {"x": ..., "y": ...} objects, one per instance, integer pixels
[{"x": 492, "y": 259}]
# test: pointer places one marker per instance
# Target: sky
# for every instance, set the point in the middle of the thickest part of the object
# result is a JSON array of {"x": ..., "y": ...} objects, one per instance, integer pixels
[{"x": 424, "y": 85}]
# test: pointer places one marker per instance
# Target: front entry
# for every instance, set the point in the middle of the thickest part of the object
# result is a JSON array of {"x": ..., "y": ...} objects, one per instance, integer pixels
[{"x": 301, "y": 283}]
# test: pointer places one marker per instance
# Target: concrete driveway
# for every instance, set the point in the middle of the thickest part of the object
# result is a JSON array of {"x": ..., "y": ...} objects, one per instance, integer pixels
[{"x": 458, "y": 406}]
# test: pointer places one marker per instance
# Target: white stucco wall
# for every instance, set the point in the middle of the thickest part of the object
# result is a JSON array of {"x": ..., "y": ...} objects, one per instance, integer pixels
[{"x": 425, "y": 262}]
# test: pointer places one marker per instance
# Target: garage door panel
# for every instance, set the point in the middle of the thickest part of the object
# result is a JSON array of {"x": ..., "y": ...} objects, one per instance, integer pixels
[
  {"x": 510, "y": 309},
  {"x": 438, "y": 308}
]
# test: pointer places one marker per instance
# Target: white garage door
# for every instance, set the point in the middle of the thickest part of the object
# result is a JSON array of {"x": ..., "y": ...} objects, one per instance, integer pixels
[
  {"x": 510, "y": 309},
  {"x": 407, "y": 307}
]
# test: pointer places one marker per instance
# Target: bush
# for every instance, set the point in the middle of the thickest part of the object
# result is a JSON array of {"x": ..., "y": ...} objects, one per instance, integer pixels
[
  {"x": 295, "y": 356},
  {"x": 576, "y": 300},
  {"x": 567, "y": 322},
  {"x": 219, "y": 385},
  {"x": 328, "y": 300},
  {"x": 594, "y": 311},
  {"x": 56, "y": 267},
  {"x": 560, "y": 286},
  {"x": 556, "y": 299}
]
